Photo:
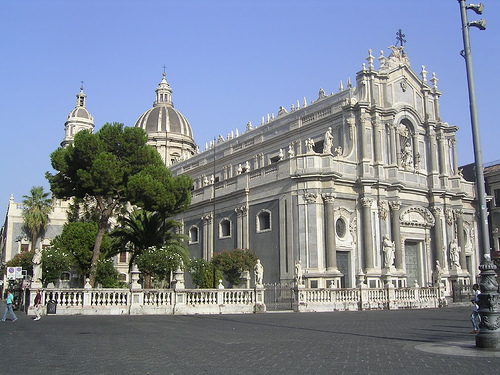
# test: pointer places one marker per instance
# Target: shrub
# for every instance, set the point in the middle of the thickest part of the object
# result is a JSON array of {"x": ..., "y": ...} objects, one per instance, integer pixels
[
  {"x": 233, "y": 263},
  {"x": 202, "y": 273}
]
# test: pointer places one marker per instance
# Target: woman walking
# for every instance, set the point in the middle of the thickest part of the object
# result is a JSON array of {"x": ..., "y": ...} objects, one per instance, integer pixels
[{"x": 10, "y": 299}]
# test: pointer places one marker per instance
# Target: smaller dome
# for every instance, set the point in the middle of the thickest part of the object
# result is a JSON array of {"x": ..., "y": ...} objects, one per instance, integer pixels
[
  {"x": 81, "y": 113},
  {"x": 78, "y": 119}
]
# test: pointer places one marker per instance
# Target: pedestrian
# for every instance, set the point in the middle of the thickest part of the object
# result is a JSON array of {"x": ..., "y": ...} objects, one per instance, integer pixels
[
  {"x": 475, "y": 311},
  {"x": 10, "y": 299},
  {"x": 38, "y": 305}
]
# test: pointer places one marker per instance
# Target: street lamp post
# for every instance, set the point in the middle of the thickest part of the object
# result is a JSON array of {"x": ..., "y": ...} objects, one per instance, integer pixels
[
  {"x": 478, "y": 159},
  {"x": 489, "y": 299}
]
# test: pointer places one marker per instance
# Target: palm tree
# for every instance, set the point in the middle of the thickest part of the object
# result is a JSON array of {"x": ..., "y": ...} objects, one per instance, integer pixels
[
  {"x": 141, "y": 230},
  {"x": 37, "y": 207}
]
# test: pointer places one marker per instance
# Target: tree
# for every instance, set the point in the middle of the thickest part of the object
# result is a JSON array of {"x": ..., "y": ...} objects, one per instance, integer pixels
[
  {"x": 77, "y": 239},
  {"x": 115, "y": 166},
  {"x": 22, "y": 259},
  {"x": 54, "y": 262},
  {"x": 233, "y": 263},
  {"x": 142, "y": 230},
  {"x": 202, "y": 272},
  {"x": 107, "y": 275},
  {"x": 37, "y": 207},
  {"x": 161, "y": 262}
]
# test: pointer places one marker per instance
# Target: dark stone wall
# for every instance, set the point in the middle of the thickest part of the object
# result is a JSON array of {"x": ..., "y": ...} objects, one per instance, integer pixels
[{"x": 266, "y": 244}]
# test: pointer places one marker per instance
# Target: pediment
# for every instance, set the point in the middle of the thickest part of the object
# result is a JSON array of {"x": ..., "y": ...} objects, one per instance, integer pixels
[{"x": 416, "y": 216}]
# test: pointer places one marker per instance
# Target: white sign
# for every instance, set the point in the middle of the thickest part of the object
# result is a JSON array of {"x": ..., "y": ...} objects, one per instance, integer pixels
[
  {"x": 19, "y": 272},
  {"x": 11, "y": 273}
]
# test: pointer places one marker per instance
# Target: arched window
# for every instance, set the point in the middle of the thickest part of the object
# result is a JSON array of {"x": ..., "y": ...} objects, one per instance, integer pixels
[
  {"x": 194, "y": 234},
  {"x": 263, "y": 221},
  {"x": 224, "y": 228}
]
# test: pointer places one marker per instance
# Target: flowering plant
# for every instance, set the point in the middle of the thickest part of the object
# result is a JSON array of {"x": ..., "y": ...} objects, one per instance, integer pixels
[{"x": 233, "y": 263}]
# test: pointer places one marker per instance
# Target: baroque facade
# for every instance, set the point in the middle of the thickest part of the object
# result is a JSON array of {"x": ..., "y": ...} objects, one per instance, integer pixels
[{"x": 356, "y": 186}]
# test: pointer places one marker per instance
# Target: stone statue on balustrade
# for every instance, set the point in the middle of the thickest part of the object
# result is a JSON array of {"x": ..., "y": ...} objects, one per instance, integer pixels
[
  {"x": 259, "y": 273},
  {"x": 328, "y": 142},
  {"x": 438, "y": 273},
  {"x": 37, "y": 266},
  {"x": 309, "y": 146},
  {"x": 388, "y": 249},
  {"x": 298, "y": 273}
]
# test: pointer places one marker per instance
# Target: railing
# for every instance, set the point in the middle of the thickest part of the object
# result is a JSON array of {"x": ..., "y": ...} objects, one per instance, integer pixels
[
  {"x": 231, "y": 301},
  {"x": 363, "y": 298}
]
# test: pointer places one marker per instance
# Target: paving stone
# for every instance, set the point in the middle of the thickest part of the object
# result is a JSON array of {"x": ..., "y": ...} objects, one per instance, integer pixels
[{"x": 430, "y": 341}]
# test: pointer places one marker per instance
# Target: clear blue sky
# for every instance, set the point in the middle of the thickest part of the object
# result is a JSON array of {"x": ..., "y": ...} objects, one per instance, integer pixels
[{"x": 228, "y": 62}]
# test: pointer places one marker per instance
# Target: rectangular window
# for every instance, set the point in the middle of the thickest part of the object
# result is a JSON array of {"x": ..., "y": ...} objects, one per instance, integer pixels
[
  {"x": 497, "y": 197},
  {"x": 123, "y": 257},
  {"x": 24, "y": 247}
]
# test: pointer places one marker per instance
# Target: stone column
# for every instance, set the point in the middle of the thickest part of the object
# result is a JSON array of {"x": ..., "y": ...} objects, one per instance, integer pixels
[
  {"x": 377, "y": 141},
  {"x": 363, "y": 137},
  {"x": 208, "y": 235},
  {"x": 459, "y": 215},
  {"x": 396, "y": 233},
  {"x": 432, "y": 151},
  {"x": 438, "y": 235},
  {"x": 394, "y": 152},
  {"x": 240, "y": 213},
  {"x": 455, "y": 157},
  {"x": 331, "y": 247},
  {"x": 366, "y": 204},
  {"x": 442, "y": 154}
]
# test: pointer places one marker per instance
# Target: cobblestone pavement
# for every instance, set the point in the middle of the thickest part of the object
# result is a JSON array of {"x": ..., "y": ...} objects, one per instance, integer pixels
[{"x": 432, "y": 341}]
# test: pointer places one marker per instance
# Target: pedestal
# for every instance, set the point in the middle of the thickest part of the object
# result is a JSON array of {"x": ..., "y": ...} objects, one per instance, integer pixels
[{"x": 489, "y": 307}]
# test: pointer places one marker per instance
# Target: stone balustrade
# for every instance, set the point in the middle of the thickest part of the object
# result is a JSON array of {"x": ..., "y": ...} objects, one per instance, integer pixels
[
  {"x": 364, "y": 298},
  {"x": 230, "y": 301}
]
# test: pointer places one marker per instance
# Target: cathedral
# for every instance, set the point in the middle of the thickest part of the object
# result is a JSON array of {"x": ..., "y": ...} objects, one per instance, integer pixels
[{"x": 357, "y": 186}]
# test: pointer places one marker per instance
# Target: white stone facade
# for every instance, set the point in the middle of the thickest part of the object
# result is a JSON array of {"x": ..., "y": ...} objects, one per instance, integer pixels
[{"x": 390, "y": 168}]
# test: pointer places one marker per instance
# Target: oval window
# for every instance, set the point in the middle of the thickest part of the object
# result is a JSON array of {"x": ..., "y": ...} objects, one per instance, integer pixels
[{"x": 340, "y": 227}]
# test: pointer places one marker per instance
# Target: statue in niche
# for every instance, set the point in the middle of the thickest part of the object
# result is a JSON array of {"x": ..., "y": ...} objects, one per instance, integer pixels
[
  {"x": 309, "y": 145},
  {"x": 240, "y": 169},
  {"x": 37, "y": 265},
  {"x": 455, "y": 253},
  {"x": 291, "y": 152},
  {"x": 259, "y": 273},
  {"x": 407, "y": 157},
  {"x": 388, "y": 249},
  {"x": 247, "y": 166},
  {"x": 328, "y": 142},
  {"x": 298, "y": 272}
]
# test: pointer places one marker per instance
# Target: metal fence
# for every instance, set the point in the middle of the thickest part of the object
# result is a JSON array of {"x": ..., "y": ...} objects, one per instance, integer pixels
[{"x": 279, "y": 296}]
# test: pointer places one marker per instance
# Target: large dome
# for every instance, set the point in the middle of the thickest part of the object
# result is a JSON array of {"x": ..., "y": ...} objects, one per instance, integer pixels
[
  {"x": 162, "y": 118},
  {"x": 168, "y": 130}
]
